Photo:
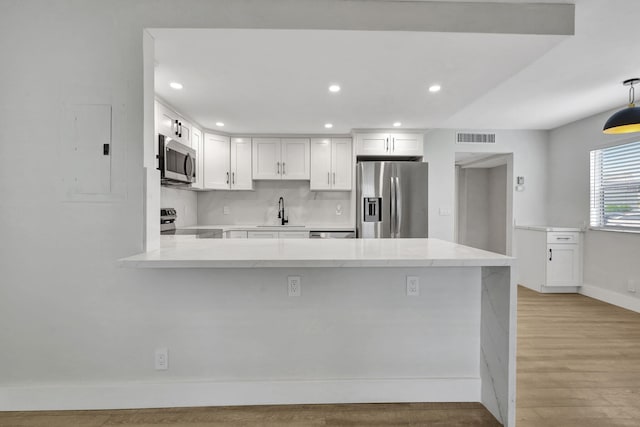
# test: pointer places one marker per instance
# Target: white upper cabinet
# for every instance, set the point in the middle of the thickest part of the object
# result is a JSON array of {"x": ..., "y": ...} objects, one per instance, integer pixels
[
  {"x": 275, "y": 158},
  {"x": 216, "y": 162},
  {"x": 197, "y": 143},
  {"x": 169, "y": 123},
  {"x": 227, "y": 163},
  {"x": 241, "y": 178},
  {"x": 295, "y": 158},
  {"x": 266, "y": 158},
  {"x": 331, "y": 164},
  {"x": 389, "y": 144}
]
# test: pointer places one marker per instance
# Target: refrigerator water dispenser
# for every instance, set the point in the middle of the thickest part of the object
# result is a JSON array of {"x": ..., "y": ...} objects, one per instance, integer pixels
[{"x": 371, "y": 209}]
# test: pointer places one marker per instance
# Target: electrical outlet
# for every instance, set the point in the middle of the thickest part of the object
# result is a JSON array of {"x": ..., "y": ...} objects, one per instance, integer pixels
[
  {"x": 162, "y": 359},
  {"x": 338, "y": 209},
  {"x": 413, "y": 285},
  {"x": 226, "y": 210},
  {"x": 631, "y": 286},
  {"x": 294, "y": 285},
  {"x": 445, "y": 211}
]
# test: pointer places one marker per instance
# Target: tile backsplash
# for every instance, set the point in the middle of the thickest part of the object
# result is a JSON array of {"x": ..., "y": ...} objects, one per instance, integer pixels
[
  {"x": 185, "y": 203},
  {"x": 260, "y": 206}
]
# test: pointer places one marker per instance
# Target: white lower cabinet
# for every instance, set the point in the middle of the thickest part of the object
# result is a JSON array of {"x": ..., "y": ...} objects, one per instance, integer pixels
[
  {"x": 235, "y": 234},
  {"x": 277, "y": 234},
  {"x": 548, "y": 258}
]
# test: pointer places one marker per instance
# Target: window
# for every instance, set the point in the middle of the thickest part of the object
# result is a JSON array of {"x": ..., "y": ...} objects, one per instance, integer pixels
[{"x": 615, "y": 187}]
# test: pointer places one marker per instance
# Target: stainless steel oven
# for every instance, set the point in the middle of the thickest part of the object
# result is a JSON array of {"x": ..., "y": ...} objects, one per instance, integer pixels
[{"x": 176, "y": 162}]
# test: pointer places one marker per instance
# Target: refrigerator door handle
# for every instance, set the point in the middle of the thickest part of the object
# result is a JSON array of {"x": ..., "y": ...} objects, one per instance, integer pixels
[
  {"x": 398, "y": 201},
  {"x": 392, "y": 219}
]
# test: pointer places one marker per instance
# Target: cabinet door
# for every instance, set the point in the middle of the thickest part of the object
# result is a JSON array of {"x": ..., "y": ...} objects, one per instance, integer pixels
[
  {"x": 320, "y": 164},
  {"x": 341, "y": 163},
  {"x": 293, "y": 234},
  {"x": 295, "y": 158},
  {"x": 197, "y": 144},
  {"x": 184, "y": 131},
  {"x": 236, "y": 234},
  {"x": 262, "y": 234},
  {"x": 165, "y": 121},
  {"x": 266, "y": 158},
  {"x": 563, "y": 265},
  {"x": 241, "y": 164},
  {"x": 373, "y": 144},
  {"x": 406, "y": 144},
  {"x": 216, "y": 162}
]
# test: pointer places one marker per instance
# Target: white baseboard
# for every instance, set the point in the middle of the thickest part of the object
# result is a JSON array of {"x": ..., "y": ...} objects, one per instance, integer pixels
[
  {"x": 180, "y": 394},
  {"x": 611, "y": 297}
]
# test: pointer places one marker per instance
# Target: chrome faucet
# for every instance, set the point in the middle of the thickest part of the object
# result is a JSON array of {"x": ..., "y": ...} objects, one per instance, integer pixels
[{"x": 281, "y": 212}]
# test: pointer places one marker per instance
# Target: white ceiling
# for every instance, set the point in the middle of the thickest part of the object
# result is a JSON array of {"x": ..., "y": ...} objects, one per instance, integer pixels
[{"x": 275, "y": 81}]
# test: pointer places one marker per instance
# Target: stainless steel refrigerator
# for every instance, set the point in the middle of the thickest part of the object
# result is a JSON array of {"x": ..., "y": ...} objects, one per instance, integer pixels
[{"x": 391, "y": 199}]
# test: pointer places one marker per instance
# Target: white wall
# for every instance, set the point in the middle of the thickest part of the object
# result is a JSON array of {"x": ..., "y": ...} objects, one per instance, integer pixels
[
  {"x": 69, "y": 314},
  {"x": 303, "y": 207},
  {"x": 497, "y": 181},
  {"x": 529, "y": 150},
  {"x": 610, "y": 258},
  {"x": 482, "y": 214}
]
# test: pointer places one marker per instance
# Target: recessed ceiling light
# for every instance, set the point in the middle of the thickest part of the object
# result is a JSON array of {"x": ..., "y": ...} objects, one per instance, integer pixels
[
  {"x": 175, "y": 85},
  {"x": 397, "y": 124},
  {"x": 219, "y": 124},
  {"x": 434, "y": 88},
  {"x": 334, "y": 88},
  {"x": 328, "y": 125}
]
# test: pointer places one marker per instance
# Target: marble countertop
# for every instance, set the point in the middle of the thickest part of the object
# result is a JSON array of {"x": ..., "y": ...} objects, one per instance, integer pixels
[
  {"x": 257, "y": 253},
  {"x": 275, "y": 227},
  {"x": 547, "y": 228}
]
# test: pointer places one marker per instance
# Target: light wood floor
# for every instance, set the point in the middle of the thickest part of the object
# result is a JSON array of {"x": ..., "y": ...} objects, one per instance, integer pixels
[
  {"x": 578, "y": 362},
  {"x": 578, "y": 365}
]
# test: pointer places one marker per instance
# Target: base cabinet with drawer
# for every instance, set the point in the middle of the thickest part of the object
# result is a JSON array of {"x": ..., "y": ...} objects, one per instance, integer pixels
[
  {"x": 549, "y": 258},
  {"x": 278, "y": 234}
]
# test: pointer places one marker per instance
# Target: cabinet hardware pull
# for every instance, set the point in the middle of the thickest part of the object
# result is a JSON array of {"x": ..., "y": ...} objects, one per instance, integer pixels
[
  {"x": 278, "y": 167},
  {"x": 227, "y": 177},
  {"x": 394, "y": 145},
  {"x": 328, "y": 178},
  {"x": 562, "y": 238},
  {"x": 233, "y": 178},
  {"x": 386, "y": 144},
  {"x": 550, "y": 254},
  {"x": 176, "y": 132},
  {"x": 283, "y": 172},
  {"x": 180, "y": 127},
  {"x": 334, "y": 178}
]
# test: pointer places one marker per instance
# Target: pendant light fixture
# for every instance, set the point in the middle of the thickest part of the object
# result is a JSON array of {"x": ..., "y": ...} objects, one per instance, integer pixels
[{"x": 627, "y": 120}]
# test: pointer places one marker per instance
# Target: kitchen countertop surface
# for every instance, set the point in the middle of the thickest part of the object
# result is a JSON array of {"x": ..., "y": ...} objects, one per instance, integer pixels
[
  {"x": 547, "y": 228},
  {"x": 275, "y": 227},
  {"x": 257, "y": 253}
]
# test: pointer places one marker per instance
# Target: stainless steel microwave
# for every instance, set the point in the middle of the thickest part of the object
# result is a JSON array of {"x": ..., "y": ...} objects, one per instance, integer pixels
[{"x": 176, "y": 162}]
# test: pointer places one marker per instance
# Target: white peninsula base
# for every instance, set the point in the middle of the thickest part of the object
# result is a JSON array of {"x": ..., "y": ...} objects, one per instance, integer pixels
[{"x": 354, "y": 335}]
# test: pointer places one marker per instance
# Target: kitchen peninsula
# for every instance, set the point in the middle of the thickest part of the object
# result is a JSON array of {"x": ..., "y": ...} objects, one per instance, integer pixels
[{"x": 453, "y": 342}]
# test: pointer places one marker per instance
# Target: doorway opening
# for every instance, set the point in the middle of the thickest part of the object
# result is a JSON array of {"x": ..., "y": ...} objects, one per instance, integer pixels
[{"x": 484, "y": 201}]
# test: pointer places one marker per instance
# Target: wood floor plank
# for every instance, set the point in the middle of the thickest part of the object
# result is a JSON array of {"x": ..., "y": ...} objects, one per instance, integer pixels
[{"x": 578, "y": 365}]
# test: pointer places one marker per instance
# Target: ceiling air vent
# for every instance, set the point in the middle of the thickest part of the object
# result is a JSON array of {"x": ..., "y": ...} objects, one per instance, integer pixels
[{"x": 475, "y": 138}]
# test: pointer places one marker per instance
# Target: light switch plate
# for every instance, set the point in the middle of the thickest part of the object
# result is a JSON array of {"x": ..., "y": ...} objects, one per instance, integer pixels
[{"x": 226, "y": 210}]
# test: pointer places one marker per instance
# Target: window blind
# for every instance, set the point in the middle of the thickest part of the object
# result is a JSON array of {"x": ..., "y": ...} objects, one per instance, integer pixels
[{"x": 615, "y": 187}]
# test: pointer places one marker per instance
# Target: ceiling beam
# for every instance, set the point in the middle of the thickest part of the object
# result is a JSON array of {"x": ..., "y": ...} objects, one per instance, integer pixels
[{"x": 374, "y": 15}]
